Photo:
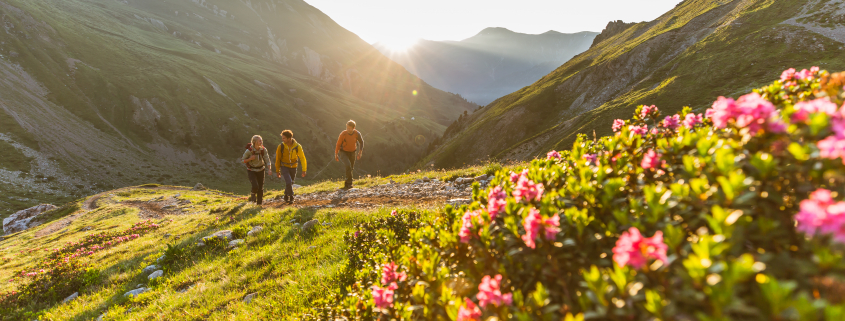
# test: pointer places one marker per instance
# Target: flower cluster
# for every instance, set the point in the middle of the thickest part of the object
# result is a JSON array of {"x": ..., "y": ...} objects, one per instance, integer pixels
[
  {"x": 635, "y": 250},
  {"x": 527, "y": 189},
  {"x": 466, "y": 225},
  {"x": 489, "y": 292},
  {"x": 383, "y": 296},
  {"x": 496, "y": 202},
  {"x": 821, "y": 214},
  {"x": 534, "y": 222},
  {"x": 749, "y": 111}
]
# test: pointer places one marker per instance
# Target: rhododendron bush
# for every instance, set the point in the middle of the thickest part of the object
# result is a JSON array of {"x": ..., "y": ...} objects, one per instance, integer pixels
[{"x": 737, "y": 212}]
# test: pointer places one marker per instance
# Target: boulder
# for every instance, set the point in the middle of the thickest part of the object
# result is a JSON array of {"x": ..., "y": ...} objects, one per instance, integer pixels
[
  {"x": 426, "y": 179},
  {"x": 418, "y": 181},
  {"x": 225, "y": 235},
  {"x": 309, "y": 224},
  {"x": 480, "y": 178},
  {"x": 135, "y": 292},
  {"x": 248, "y": 298},
  {"x": 198, "y": 187},
  {"x": 155, "y": 275},
  {"x": 70, "y": 298},
  {"x": 237, "y": 242},
  {"x": 255, "y": 230},
  {"x": 200, "y": 244},
  {"x": 150, "y": 269},
  {"x": 23, "y": 219},
  {"x": 459, "y": 201}
]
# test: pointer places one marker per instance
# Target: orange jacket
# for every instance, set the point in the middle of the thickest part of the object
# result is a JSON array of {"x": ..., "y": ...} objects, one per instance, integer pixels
[{"x": 346, "y": 141}]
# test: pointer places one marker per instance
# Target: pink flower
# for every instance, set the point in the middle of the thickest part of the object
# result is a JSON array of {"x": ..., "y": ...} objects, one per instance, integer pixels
[
  {"x": 466, "y": 226},
  {"x": 672, "y": 122},
  {"x": 751, "y": 111},
  {"x": 515, "y": 177},
  {"x": 618, "y": 124},
  {"x": 553, "y": 155},
  {"x": 821, "y": 214},
  {"x": 496, "y": 202},
  {"x": 389, "y": 274},
  {"x": 591, "y": 158},
  {"x": 489, "y": 292},
  {"x": 527, "y": 189},
  {"x": 393, "y": 213},
  {"x": 383, "y": 297},
  {"x": 534, "y": 222},
  {"x": 805, "y": 108},
  {"x": 358, "y": 232},
  {"x": 691, "y": 119},
  {"x": 814, "y": 70},
  {"x": 804, "y": 74},
  {"x": 639, "y": 130},
  {"x": 635, "y": 250},
  {"x": 788, "y": 74},
  {"x": 469, "y": 312},
  {"x": 647, "y": 110},
  {"x": 651, "y": 160},
  {"x": 832, "y": 147}
]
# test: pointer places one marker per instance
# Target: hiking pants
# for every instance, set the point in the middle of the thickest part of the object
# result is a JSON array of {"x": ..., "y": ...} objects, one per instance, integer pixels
[
  {"x": 257, "y": 181},
  {"x": 289, "y": 174},
  {"x": 349, "y": 160}
]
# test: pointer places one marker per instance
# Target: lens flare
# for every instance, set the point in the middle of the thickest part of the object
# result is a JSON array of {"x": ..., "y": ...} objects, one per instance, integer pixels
[{"x": 414, "y": 92}]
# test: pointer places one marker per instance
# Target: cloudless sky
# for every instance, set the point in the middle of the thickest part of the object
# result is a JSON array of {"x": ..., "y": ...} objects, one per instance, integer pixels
[{"x": 400, "y": 22}]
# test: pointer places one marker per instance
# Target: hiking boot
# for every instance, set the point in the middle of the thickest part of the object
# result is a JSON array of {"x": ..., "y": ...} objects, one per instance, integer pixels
[{"x": 251, "y": 197}]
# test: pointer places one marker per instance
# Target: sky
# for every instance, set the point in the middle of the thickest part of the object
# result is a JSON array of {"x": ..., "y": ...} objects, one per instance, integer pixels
[{"x": 398, "y": 23}]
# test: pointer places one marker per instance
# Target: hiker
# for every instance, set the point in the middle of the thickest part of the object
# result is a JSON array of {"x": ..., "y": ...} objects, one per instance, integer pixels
[
  {"x": 347, "y": 143},
  {"x": 257, "y": 160},
  {"x": 288, "y": 154}
]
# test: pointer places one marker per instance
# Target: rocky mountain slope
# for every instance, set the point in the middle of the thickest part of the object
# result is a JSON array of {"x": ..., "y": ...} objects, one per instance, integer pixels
[
  {"x": 690, "y": 55},
  {"x": 101, "y": 94},
  {"x": 492, "y": 63}
]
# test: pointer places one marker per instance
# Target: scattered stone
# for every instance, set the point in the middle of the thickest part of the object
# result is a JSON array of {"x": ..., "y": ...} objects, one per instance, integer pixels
[
  {"x": 201, "y": 225},
  {"x": 22, "y": 220},
  {"x": 235, "y": 243},
  {"x": 70, "y": 298},
  {"x": 426, "y": 179},
  {"x": 167, "y": 235},
  {"x": 139, "y": 286},
  {"x": 480, "y": 178},
  {"x": 223, "y": 234},
  {"x": 134, "y": 293},
  {"x": 200, "y": 244},
  {"x": 296, "y": 186},
  {"x": 198, "y": 187},
  {"x": 418, "y": 181},
  {"x": 100, "y": 318},
  {"x": 330, "y": 206},
  {"x": 248, "y": 297},
  {"x": 255, "y": 229},
  {"x": 309, "y": 224},
  {"x": 177, "y": 195},
  {"x": 156, "y": 275},
  {"x": 161, "y": 258},
  {"x": 312, "y": 247},
  {"x": 459, "y": 201},
  {"x": 330, "y": 223},
  {"x": 150, "y": 269}
]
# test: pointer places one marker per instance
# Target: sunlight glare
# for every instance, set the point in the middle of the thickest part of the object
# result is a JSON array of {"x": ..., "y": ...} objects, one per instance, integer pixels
[{"x": 399, "y": 45}]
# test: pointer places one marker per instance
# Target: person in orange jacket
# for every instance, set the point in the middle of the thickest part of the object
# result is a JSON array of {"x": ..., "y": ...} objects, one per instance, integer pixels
[
  {"x": 288, "y": 155},
  {"x": 348, "y": 142}
]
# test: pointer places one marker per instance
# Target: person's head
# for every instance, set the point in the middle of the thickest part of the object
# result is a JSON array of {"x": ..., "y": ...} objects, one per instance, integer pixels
[
  {"x": 287, "y": 136},
  {"x": 350, "y": 126},
  {"x": 257, "y": 141}
]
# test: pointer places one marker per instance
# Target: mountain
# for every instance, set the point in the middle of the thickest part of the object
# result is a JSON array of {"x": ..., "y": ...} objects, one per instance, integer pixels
[
  {"x": 99, "y": 94},
  {"x": 492, "y": 63},
  {"x": 689, "y": 56}
]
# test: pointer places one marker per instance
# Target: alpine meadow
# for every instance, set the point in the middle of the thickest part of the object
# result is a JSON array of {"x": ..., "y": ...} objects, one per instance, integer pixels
[{"x": 687, "y": 168}]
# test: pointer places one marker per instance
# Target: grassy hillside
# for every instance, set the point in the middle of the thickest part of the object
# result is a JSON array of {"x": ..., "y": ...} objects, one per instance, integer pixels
[
  {"x": 692, "y": 54},
  {"x": 287, "y": 268},
  {"x": 102, "y": 94}
]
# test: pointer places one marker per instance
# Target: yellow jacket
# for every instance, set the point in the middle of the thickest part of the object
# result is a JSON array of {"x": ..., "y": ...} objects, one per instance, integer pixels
[{"x": 289, "y": 155}]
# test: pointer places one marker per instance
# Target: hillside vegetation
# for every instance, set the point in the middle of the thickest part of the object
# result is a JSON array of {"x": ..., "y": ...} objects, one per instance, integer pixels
[
  {"x": 698, "y": 50},
  {"x": 102, "y": 94}
]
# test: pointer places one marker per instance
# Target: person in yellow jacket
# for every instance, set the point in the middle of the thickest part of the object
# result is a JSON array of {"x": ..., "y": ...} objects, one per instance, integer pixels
[{"x": 288, "y": 154}]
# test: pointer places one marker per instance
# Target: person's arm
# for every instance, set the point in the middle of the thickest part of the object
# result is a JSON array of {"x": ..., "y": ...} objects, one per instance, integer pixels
[
  {"x": 278, "y": 160},
  {"x": 337, "y": 146},
  {"x": 267, "y": 163},
  {"x": 302, "y": 160},
  {"x": 361, "y": 143}
]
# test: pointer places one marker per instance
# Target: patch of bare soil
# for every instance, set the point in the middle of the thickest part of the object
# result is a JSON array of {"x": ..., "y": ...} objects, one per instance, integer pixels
[{"x": 364, "y": 202}]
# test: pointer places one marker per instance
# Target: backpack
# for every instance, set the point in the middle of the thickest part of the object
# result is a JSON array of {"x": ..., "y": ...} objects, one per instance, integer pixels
[{"x": 263, "y": 151}]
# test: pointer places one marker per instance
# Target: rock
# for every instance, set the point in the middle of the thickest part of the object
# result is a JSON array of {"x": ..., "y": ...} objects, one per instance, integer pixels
[
  {"x": 296, "y": 186},
  {"x": 293, "y": 221},
  {"x": 352, "y": 190},
  {"x": 418, "y": 181},
  {"x": 480, "y": 178},
  {"x": 248, "y": 297},
  {"x": 155, "y": 275},
  {"x": 200, "y": 244},
  {"x": 309, "y": 224},
  {"x": 177, "y": 195},
  {"x": 100, "y": 318},
  {"x": 459, "y": 180},
  {"x": 160, "y": 258},
  {"x": 330, "y": 223},
  {"x": 255, "y": 229},
  {"x": 70, "y": 298},
  {"x": 426, "y": 179},
  {"x": 458, "y": 201},
  {"x": 139, "y": 286},
  {"x": 135, "y": 292},
  {"x": 150, "y": 269},
  {"x": 392, "y": 181},
  {"x": 237, "y": 242},
  {"x": 312, "y": 247},
  {"x": 223, "y": 235},
  {"x": 167, "y": 235},
  {"x": 198, "y": 187},
  {"x": 22, "y": 220}
]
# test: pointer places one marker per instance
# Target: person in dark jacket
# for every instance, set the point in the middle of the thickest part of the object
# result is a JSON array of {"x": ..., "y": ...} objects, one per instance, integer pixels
[
  {"x": 257, "y": 161},
  {"x": 348, "y": 142}
]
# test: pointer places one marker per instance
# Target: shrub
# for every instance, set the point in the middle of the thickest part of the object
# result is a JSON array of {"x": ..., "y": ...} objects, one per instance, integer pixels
[{"x": 736, "y": 214}]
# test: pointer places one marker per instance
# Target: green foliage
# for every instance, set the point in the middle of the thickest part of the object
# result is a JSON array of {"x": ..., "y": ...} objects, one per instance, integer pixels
[{"x": 721, "y": 199}]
